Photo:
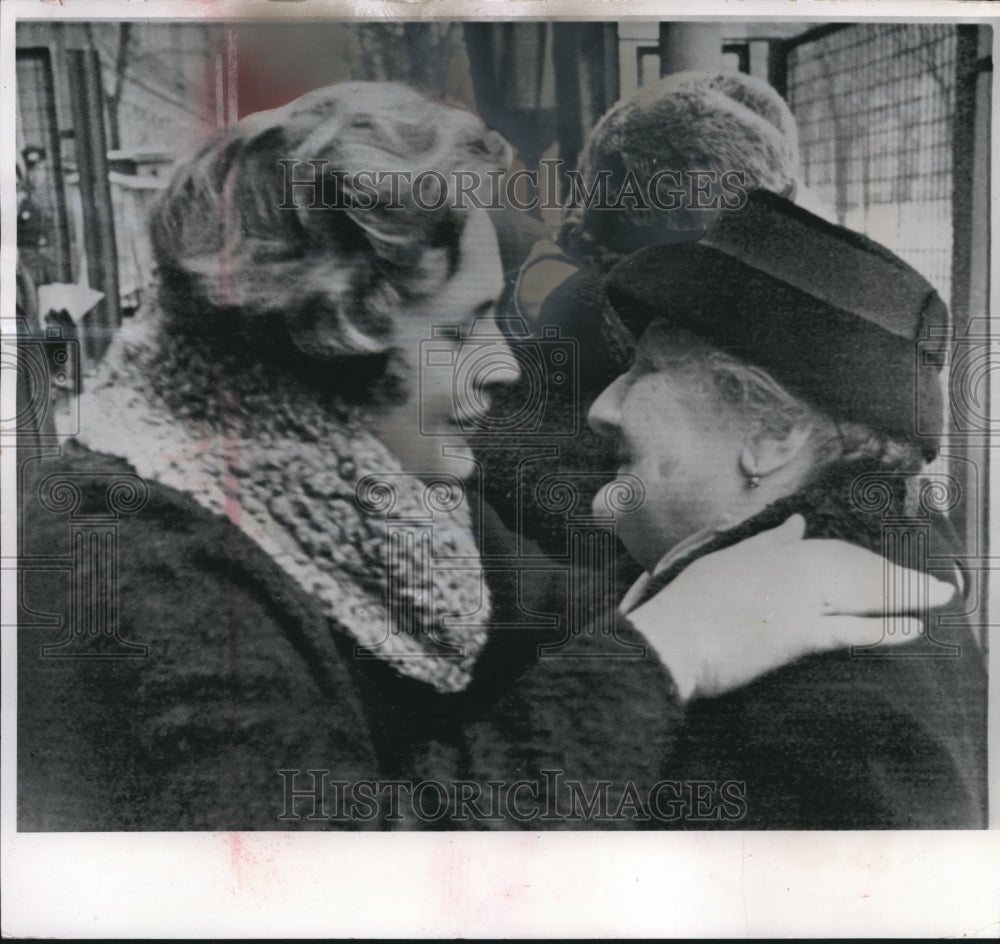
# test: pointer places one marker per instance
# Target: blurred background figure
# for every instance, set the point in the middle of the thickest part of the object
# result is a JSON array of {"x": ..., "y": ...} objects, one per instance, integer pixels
[
  {"x": 710, "y": 137},
  {"x": 34, "y": 228}
]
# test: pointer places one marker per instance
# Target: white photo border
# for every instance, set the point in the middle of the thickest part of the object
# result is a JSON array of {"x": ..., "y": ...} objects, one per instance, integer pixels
[{"x": 505, "y": 885}]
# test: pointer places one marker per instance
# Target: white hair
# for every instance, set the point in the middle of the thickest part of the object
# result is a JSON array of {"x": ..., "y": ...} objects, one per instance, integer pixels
[{"x": 754, "y": 398}]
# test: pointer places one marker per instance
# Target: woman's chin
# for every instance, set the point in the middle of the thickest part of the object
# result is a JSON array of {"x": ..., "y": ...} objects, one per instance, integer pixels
[
  {"x": 453, "y": 460},
  {"x": 461, "y": 466},
  {"x": 601, "y": 505},
  {"x": 437, "y": 453}
]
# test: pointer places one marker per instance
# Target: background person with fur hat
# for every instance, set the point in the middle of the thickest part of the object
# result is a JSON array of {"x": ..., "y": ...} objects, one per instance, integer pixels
[
  {"x": 692, "y": 129},
  {"x": 703, "y": 122}
]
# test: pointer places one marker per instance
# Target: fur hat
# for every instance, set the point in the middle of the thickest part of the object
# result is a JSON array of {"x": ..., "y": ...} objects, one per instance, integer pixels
[{"x": 691, "y": 122}]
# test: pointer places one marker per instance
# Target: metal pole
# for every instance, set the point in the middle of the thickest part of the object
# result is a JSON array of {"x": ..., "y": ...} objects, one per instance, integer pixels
[
  {"x": 686, "y": 46},
  {"x": 95, "y": 194}
]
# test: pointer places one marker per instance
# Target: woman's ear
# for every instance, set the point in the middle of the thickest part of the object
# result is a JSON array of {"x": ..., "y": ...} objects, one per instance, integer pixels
[{"x": 768, "y": 452}]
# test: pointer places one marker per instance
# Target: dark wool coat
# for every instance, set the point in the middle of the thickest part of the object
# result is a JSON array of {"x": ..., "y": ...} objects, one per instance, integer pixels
[
  {"x": 244, "y": 677},
  {"x": 240, "y": 680},
  {"x": 831, "y": 741}
]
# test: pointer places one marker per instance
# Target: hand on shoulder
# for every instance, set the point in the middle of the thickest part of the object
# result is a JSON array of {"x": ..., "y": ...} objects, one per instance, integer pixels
[{"x": 737, "y": 613}]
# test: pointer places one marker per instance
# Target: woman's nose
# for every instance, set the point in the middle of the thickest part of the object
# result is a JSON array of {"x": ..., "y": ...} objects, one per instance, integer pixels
[
  {"x": 605, "y": 413},
  {"x": 499, "y": 363}
]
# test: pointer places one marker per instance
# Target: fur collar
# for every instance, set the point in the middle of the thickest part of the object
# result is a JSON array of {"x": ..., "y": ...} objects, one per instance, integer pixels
[{"x": 284, "y": 464}]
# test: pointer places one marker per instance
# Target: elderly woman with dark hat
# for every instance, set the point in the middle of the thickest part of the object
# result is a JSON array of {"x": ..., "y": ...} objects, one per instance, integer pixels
[
  {"x": 694, "y": 126},
  {"x": 778, "y": 373}
]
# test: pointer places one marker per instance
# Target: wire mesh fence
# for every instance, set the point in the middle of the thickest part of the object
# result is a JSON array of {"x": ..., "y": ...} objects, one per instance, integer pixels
[{"x": 875, "y": 105}]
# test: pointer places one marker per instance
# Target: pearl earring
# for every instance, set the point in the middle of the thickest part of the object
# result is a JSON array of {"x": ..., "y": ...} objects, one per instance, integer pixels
[{"x": 748, "y": 466}]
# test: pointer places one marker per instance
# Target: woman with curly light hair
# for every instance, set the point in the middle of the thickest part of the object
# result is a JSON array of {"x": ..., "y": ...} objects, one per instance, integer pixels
[{"x": 276, "y": 408}]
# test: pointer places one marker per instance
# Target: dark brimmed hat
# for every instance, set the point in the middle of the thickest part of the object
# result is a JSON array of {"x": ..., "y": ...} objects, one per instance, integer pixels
[{"x": 831, "y": 314}]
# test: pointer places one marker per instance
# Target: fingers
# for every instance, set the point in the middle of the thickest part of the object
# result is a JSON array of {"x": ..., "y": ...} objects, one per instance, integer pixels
[
  {"x": 856, "y": 582},
  {"x": 910, "y": 590},
  {"x": 841, "y": 632},
  {"x": 939, "y": 593},
  {"x": 742, "y": 658}
]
